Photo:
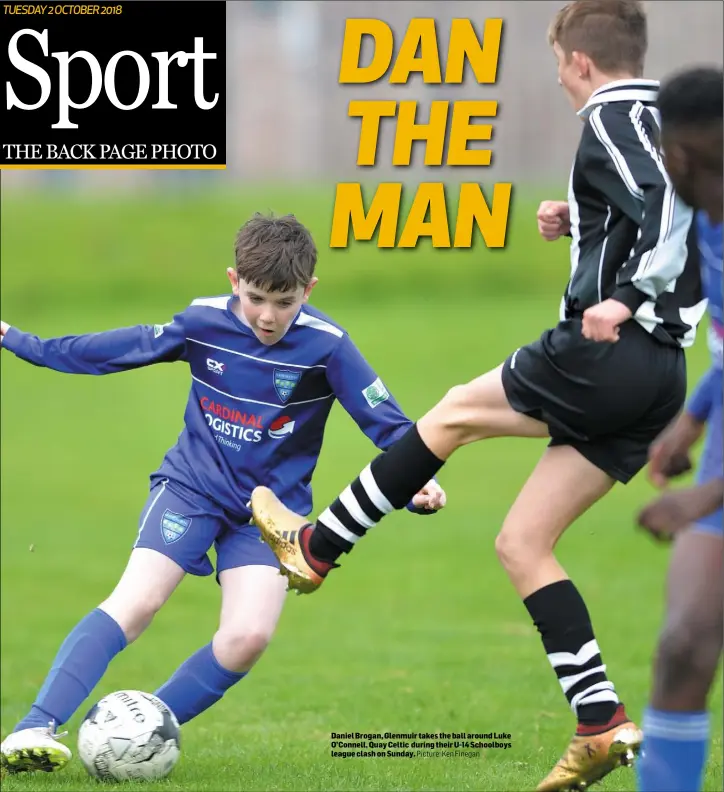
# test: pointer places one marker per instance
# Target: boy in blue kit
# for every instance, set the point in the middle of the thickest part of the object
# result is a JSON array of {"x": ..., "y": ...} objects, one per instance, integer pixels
[
  {"x": 266, "y": 369},
  {"x": 676, "y": 722}
]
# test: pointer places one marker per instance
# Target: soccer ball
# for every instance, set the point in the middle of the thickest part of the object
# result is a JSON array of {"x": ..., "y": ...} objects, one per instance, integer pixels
[{"x": 129, "y": 735}]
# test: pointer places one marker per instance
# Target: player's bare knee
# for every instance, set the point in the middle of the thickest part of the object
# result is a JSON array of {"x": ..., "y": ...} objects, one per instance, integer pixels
[
  {"x": 238, "y": 649},
  {"x": 688, "y": 650},
  {"x": 515, "y": 551}
]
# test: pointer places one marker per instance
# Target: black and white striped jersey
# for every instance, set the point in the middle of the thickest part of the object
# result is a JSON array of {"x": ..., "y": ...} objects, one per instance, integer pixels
[{"x": 632, "y": 237}]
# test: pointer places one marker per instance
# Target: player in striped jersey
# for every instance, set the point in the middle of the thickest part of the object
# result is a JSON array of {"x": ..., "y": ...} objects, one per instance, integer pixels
[{"x": 601, "y": 385}]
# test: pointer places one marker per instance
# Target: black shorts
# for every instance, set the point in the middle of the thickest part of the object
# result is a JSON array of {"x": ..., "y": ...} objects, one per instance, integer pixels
[{"x": 609, "y": 401}]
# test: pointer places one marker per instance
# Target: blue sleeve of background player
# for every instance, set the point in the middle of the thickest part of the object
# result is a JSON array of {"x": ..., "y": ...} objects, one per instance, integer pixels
[
  {"x": 102, "y": 353},
  {"x": 708, "y": 389},
  {"x": 364, "y": 396}
]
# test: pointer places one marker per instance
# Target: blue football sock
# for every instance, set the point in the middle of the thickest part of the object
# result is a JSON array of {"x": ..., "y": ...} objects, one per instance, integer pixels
[
  {"x": 197, "y": 684},
  {"x": 78, "y": 667},
  {"x": 674, "y": 751}
]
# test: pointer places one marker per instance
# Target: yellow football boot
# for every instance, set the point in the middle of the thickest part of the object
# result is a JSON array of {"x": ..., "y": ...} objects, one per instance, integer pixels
[
  {"x": 590, "y": 757},
  {"x": 288, "y": 534}
]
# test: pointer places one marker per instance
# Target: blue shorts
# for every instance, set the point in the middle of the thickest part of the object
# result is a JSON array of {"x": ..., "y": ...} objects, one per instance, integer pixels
[
  {"x": 184, "y": 525},
  {"x": 711, "y": 467}
]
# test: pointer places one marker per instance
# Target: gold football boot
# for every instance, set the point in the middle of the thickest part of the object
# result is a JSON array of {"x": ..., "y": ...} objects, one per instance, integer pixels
[
  {"x": 590, "y": 757},
  {"x": 281, "y": 529}
]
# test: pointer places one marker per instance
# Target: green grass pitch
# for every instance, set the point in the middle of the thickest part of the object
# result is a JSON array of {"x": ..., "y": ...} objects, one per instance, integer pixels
[{"x": 421, "y": 631}]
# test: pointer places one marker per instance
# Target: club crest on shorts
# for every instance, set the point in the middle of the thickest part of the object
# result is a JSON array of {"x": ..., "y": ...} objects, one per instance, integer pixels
[
  {"x": 284, "y": 383},
  {"x": 173, "y": 526}
]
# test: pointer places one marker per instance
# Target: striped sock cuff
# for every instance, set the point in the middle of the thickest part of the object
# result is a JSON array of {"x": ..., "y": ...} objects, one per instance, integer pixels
[{"x": 676, "y": 726}]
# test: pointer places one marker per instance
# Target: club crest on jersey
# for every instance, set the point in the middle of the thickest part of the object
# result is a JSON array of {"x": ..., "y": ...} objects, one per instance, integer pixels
[
  {"x": 281, "y": 426},
  {"x": 158, "y": 329},
  {"x": 284, "y": 383},
  {"x": 376, "y": 393},
  {"x": 174, "y": 526}
]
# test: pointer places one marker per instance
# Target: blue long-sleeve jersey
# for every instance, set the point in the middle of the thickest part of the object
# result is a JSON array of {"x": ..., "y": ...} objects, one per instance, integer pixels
[
  {"x": 709, "y": 389},
  {"x": 256, "y": 414}
]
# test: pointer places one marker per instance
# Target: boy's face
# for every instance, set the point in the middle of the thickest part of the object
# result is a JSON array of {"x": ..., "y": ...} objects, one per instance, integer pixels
[
  {"x": 573, "y": 75},
  {"x": 269, "y": 314},
  {"x": 675, "y": 162},
  {"x": 693, "y": 161}
]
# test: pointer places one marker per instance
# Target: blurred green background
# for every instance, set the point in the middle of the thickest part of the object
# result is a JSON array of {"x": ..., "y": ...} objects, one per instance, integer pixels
[{"x": 422, "y": 632}]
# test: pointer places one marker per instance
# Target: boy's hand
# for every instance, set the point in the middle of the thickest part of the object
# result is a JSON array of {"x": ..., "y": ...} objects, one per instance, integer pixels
[
  {"x": 666, "y": 515},
  {"x": 675, "y": 511},
  {"x": 4, "y": 327},
  {"x": 601, "y": 322},
  {"x": 554, "y": 220},
  {"x": 431, "y": 497},
  {"x": 669, "y": 453}
]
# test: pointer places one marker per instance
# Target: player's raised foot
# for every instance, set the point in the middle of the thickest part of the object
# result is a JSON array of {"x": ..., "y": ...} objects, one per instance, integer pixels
[
  {"x": 34, "y": 750},
  {"x": 591, "y": 756},
  {"x": 288, "y": 535}
]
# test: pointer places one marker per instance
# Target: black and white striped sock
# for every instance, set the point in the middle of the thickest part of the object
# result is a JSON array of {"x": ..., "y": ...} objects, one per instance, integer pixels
[
  {"x": 582, "y": 676},
  {"x": 561, "y": 616},
  {"x": 387, "y": 484}
]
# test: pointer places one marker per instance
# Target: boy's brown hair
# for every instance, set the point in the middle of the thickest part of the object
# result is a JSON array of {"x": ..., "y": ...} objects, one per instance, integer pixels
[
  {"x": 613, "y": 33},
  {"x": 275, "y": 253}
]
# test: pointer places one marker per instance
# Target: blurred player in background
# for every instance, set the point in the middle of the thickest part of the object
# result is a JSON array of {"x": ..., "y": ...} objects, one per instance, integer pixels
[
  {"x": 676, "y": 724},
  {"x": 602, "y": 384},
  {"x": 266, "y": 369}
]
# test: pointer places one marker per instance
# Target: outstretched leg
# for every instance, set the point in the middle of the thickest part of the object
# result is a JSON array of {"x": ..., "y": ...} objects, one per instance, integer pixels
[{"x": 466, "y": 414}]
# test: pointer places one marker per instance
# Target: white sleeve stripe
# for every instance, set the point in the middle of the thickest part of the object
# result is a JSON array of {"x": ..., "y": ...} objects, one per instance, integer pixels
[
  {"x": 665, "y": 226},
  {"x": 646, "y": 142},
  {"x": 668, "y": 204},
  {"x": 665, "y": 261},
  {"x": 617, "y": 158}
]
